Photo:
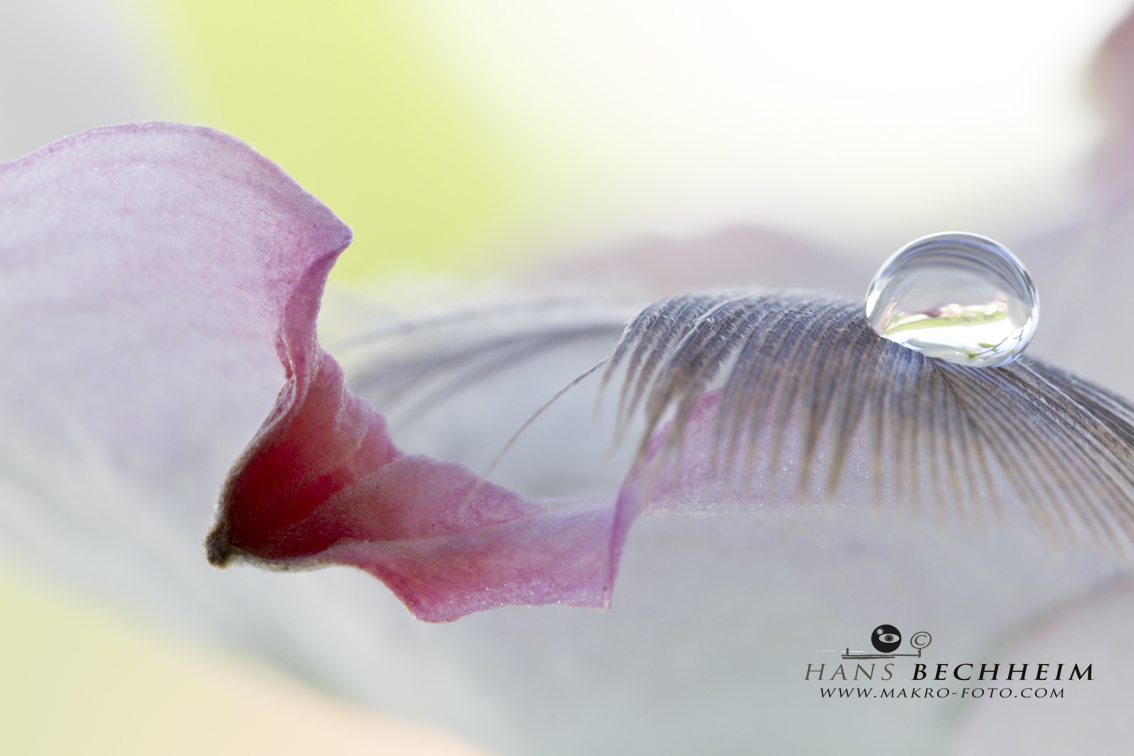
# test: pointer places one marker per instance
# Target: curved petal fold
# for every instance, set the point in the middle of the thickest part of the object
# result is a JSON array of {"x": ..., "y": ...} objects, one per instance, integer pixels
[
  {"x": 322, "y": 483},
  {"x": 163, "y": 259}
]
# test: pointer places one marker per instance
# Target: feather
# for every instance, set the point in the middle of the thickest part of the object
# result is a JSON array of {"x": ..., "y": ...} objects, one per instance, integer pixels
[
  {"x": 963, "y": 446},
  {"x": 955, "y": 434}
]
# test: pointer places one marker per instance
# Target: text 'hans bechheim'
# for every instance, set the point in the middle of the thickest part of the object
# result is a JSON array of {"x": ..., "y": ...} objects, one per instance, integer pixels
[
  {"x": 945, "y": 672},
  {"x": 963, "y": 672}
]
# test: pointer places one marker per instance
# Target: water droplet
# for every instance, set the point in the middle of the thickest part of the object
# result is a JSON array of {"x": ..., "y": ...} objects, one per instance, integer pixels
[{"x": 959, "y": 297}]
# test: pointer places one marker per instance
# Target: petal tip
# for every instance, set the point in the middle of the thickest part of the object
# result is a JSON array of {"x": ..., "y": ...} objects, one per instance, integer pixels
[{"x": 218, "y": 545}]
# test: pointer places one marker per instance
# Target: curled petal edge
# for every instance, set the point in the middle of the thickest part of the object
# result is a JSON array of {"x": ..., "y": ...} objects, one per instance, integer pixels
[{"x": 322, "y": 483}]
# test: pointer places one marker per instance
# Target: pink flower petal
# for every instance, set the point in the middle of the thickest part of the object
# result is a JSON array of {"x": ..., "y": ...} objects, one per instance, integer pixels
[
  {"x": 142, "y": 262},
  {"x": 733, "y": 258},
  {"x": 322, "y": 484},
  {"x": 168, "y": 260},
  {"x": 1113, "y": 66}
]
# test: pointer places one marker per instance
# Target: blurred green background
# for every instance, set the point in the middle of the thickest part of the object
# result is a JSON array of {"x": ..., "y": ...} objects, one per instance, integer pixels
[{"x": 346, "y": 96}]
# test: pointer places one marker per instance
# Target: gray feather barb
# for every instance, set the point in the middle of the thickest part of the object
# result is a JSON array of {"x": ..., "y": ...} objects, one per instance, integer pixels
[
  {"x": 963, "y": 438},
  {"x": 804, "y": 384}
]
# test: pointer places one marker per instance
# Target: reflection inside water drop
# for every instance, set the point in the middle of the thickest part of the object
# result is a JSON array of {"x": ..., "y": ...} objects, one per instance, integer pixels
[{"x": 958, "y": 297}]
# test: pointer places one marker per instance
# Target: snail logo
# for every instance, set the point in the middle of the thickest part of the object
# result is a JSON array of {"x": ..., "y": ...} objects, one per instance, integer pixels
[{"x": 886, "y": 639}]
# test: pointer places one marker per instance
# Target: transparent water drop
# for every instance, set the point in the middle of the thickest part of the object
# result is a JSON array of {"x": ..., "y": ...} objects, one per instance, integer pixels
[{"x": 959, "y": 297}]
